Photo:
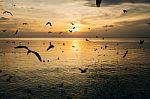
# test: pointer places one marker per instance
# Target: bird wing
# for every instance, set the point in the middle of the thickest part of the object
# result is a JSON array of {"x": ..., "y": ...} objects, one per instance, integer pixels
[
  {"x": 80, "y": 69},
  {"x": 48, "y": 48},
  {"x": 10, "y": 13},
  {"x": 16, "y": 32},
  {"x": 38, "y": 55},
  {"x": 22, "y": 47},
  {"x": 4, "y": 12},
  {"x": 98, "y": 2}
]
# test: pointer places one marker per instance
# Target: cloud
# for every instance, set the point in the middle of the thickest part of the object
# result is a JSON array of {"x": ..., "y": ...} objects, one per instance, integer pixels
[
  {"x": 91, "y": 3},
  {"x": 3, "y": 19}
]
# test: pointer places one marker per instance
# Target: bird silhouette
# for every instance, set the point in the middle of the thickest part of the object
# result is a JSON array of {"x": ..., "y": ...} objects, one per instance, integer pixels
[
  {"x": 49, "y": 23},
  {"x": 8, "y": 13},
  {"x": 141, "y": 42},
  {"x": 30, "y": 51},
  {"x": 24, "y": 23},
  {"x": 50, "y": 46},
  {"x": 86, "y": 39},
  {"x": 125, "y": 54},
  {"x": 16, "y": 32},
  {"x": 70, "y": 31},
  {"x": 98, "y": 3},
  {"x": 49, "y": 32},
  {"x": 3, "y": 30},
  {"x": 83, "y": 70},
  {"x": 72, "y": 23},
  {"x": 125, "y": 11},
  {"x": 74, "y": 27},
  {"x": 148, "y": 23}
]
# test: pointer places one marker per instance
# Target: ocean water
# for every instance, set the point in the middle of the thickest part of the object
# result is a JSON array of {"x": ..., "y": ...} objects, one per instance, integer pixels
[{"x": 109, "y": 75}]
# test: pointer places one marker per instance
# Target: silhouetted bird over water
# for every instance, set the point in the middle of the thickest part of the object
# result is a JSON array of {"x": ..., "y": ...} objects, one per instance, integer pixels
[
  {"x": 125, "y": 54},
  {"x": 50, "y": 46},
  {"x": 98, "y": 3},
  {"x": 30, "y": 51},
  {"x": 83, "y": 70}
]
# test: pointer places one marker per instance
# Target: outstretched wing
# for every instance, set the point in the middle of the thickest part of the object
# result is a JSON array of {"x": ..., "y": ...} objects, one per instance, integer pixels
[
  {"x": 10, "y": 13},
  {"x": 16, "y": 32},
  {"x": 22, "y": 47},
  {"x": 98, "y": 3},
  {"x": 37, "y": 55}
]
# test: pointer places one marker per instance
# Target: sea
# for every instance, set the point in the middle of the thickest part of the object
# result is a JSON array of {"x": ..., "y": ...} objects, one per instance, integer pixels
[{"x": 114, "y": 68}]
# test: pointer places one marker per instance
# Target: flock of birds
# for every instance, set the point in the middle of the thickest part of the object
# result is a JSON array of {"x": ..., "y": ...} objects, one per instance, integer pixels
[{"x": 29, "y": 51}]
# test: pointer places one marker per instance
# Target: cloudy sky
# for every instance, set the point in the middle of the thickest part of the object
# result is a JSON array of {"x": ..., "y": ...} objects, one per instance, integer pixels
[{"x": 83, "y": 13}]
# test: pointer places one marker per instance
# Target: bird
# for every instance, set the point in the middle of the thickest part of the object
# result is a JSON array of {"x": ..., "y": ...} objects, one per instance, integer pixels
[
  {"x": 61, "y": 85},
  {"x": 125, "y": 54},
  {"x": 98, "y": 3},
  {"x": 16, "y": 32},
  {"x": 49, "y": 23},
  {"x": 24, "y": 23},
  {"x": 89, "y": 28},
  {"x": 148, "y": 23},
  {"x": 8, "y": 13},
  {"x": 86, "y": 39},
  {"x": 83, "y": 70},
  {"x": 49, "y": 32},
  {"x": 72, "y": 23},
  {"x": 141, "y": 42},
  {"x": 4, "y": 30},
  {"x": 124, "y": 11},
  {"x": 70, "y": 31},
  {"x": 50, "y": 46},
  {"x": 30, "y": 51},
  {"x": 74, "y": 27}
]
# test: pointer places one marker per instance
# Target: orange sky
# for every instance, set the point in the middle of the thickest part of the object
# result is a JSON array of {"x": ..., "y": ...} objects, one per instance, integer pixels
[{"x": 62, "y": 12}]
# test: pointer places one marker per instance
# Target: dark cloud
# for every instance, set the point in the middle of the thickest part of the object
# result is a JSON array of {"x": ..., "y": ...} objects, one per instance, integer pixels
[
  {"x": 3, "y": 19},
  {"x": 91, "y": 3}
]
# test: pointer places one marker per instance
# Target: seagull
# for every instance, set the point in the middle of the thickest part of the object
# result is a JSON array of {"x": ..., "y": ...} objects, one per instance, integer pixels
[
  {"x": 49, "y": 32},
  {"x": 86, "y": 39},
  {"x": 30, "y": 51},
  {"x": 141, "y": 42},
  {"x": 98, "y": 3},
  {"x": 72, "y": 23},
  {"x": 4, "y": 30},
  {"x": 124, "y": 11},
  {"x": 148, "y": 23},
  {"x": 16, "y": 32},
  {"x": 70, "y": 31},
  {"x": 8, "y": 13},
  {"x": 125, "y": 54},
  {"x": 74, "y": 27},
  {"x": 49, "y": 23},
  {"x": 24, "y": 23},
  {"x": 50, "y": 46},
  {"x": 83, "y": 70}
]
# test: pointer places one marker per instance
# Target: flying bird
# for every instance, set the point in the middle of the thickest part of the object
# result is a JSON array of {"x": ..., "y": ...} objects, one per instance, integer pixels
[
  {"x": 125, "y": 54},
  {"x": 49, "y": 23},
  {"x": 16, "y": 32},
  {"x": 124, "y": 11},
  {"x": 74, "y": 27},
  {"x": 50, "y": 46},
  {"x": 141, "y": 42},
  {"x": 86, "y": 39},
  {"x": 8, "y": 13},
  {"x": 30, "y": 51},
  {"x": 98, "y": 3},
  {"x": 72, "y": 23},
  {"x": 83, "y": 70},
  {"x": 70, "y": 31},
  {"x": 4, "y": 30},
  {"x": 24, "y": 23}
]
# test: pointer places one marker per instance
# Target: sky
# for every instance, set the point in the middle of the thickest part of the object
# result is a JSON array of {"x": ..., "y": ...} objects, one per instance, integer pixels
[{"x": 83, "y": 13}]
